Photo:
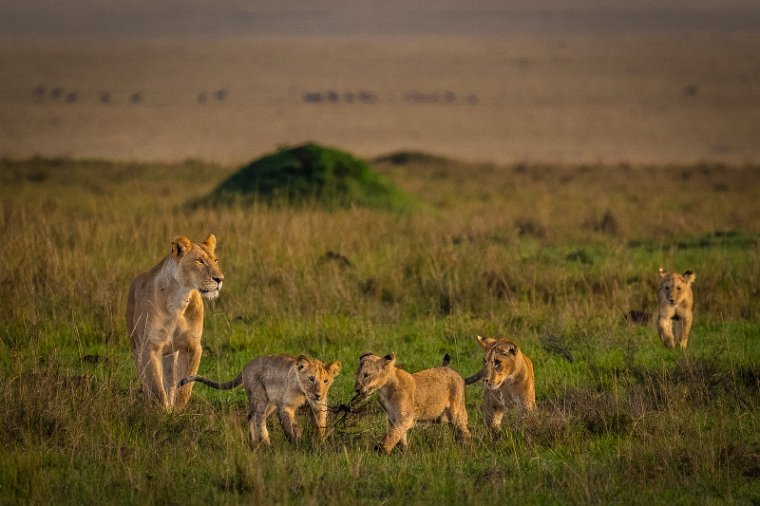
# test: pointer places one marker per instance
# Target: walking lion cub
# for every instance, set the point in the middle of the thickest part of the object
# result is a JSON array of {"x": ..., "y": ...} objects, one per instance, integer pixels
[
  {"x": 675, "y": 313},
  {"x": 431, "y": 395},
  {"x": 508, "y": 380},
  {"x": 284, "y": 383}
]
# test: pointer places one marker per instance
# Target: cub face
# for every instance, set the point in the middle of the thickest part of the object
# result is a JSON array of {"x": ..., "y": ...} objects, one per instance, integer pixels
[
  {"x": 315, "y": 379},
  {"x": 499, "y": 361},
  {"x": 373, "y": 372},
  {"x": 197, "y": 266},
  {"x": 675, "y": 287}
]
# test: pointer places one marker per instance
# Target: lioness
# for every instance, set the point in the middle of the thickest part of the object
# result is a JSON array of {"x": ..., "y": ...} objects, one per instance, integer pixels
[
  {"x": 432, "y": 395},
  {"x": 165, "y": 318},
  {"x": 284, "y": 383},
  {"x": 676, "y": 302},
  {"x": 508, "y": 380}
]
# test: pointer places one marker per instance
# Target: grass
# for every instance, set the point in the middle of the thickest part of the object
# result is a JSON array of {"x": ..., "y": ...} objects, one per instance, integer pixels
[{"x": 522, "y": 251}]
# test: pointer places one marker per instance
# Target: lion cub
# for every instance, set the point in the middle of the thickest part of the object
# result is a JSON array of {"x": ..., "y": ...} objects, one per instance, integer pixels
[
  {"x": 431, "y": 395},
  {"x": 508, "y": 375},
  {"x": 284, "y": 383},
  {"x": 675, "y": 314}
]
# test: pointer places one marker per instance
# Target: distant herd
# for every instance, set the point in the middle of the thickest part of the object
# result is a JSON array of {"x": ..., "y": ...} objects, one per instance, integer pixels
[{"x": 165, "y": 320}]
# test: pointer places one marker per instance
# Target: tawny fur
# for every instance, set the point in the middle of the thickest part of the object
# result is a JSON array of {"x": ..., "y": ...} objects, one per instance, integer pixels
[
  {"x": 431, "y": 395},
  {"x": 165, "y": 318},
  {"x": 676, "y": 301},
  {"x": 282, "y": 383},
  {"x": 508, "y": 380}
]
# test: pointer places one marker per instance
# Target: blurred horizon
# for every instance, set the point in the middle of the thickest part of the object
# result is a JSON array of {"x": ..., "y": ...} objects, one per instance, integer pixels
[{"x": 204, "y": 18}]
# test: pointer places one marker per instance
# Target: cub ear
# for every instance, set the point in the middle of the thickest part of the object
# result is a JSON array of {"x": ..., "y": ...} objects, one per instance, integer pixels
[
  {"x": 390, "y": 359},
  {"x": 210, "y": 242},
  {"x": 662, "y": 273},
  {"x": 689, "y": 276},
  {"x": 180, "y": 246},
  {"x": 485, "y": 342},
  {"x": 302, "y": 361},
  {"x": 365, "y": 354},
  {"x": 512, "y": 349},
  {"x": 334, "y": 368}
]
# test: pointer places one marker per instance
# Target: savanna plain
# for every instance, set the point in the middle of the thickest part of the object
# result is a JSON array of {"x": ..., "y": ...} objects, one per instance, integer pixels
[{"x": 561, "y": 258}]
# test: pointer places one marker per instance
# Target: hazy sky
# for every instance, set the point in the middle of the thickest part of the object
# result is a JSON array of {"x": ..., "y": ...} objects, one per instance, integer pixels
[{"x": 159, "y": 18}]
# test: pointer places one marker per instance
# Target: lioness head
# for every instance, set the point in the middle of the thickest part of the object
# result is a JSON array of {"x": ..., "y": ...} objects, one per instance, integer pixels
[
  {"x": 315, "y": 378},
  {"x": 500, "y": 360},
  {"x": 196, "y": 265},
  {"x": 373, "y": 372},
  {"x": 674, "y": 286}
]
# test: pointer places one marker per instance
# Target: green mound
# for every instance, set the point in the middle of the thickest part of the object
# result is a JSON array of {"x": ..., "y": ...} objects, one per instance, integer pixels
[{"x": 309, "y": 175}]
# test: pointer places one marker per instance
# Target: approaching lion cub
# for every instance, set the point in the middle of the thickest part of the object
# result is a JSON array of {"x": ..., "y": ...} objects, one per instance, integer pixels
[
  {"x": 508, "y": 375},
  {"x": 676, "y": 302},
  {"x": 165, "y": 318},
  {"x": 284, "y": 383},
  {"x": 432, "y": 395}
]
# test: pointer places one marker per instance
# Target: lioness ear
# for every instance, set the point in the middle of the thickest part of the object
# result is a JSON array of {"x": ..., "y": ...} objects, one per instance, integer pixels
[
  {"x": 180, "y": 246},
  {"x": 662, "y": 273},
  {"x": 210, "y": 242},
  {"x": 689, "y": 276},
  {"x": 512, "y": 349},
  {"x": 334, "y": 368},
  {"x": 302, "y": 361},
  {"x": 485, "y": 342},
  {"x": 390, "y": 358}
]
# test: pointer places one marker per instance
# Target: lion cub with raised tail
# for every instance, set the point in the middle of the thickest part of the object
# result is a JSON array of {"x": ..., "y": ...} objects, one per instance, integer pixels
[
  {"x": 508, "y": 380},
  {"x": 284, "y": 383},
  {"x": 676, "y": 302},
  {"x": 431, "y": 395}
]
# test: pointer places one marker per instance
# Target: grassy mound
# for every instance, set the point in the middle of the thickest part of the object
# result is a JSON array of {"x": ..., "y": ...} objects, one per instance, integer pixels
[{"x": 309, "y": 174}]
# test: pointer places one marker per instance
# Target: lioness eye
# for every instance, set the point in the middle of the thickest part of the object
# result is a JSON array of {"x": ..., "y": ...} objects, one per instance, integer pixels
[
  {"x": 496, "y": 361},
  {"x": 325, "y": 382}
]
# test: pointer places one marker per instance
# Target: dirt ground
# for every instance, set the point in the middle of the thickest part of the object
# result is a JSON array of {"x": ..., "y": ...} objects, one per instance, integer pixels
[{"x": 639, "y": 97}]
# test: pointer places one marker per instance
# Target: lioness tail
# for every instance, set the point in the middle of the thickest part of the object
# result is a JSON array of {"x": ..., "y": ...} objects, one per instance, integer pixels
[
  {"x": 213, "y": 384},
  {"x": 475, "y": 377}
]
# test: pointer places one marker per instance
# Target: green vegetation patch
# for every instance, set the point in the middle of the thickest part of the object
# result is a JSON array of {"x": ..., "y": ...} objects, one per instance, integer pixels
[{"x": 309, "y": 175}]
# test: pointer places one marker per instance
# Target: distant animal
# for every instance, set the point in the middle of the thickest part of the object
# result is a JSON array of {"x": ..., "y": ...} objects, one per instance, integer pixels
[
  {"x": 221, "y": 94},
  {"x": 431, "y": 395},
  {"x": 676, "y": 301},
  {"x": 284, "y": 383},
  {"x": 136, "y": 98},
  {"x": 165, "y": 318},
  {"x": 508, "y": 380}
]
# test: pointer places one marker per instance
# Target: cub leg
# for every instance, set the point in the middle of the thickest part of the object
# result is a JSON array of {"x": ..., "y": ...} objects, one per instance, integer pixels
[
  {"x": 289, "y": 424},
  {"x": 686, "y": 321},
  {"x": 396, "y": 434},
  {"x": 493, "y": 410},
  {"x": 319, "y": 415},
  {"x": 461, "y": 427},
  {"x": 665, "y": 329},
  {"x": 257, "y": 424}
]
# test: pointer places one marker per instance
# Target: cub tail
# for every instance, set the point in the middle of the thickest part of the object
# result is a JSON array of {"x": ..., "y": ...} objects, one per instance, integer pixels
[
  {"x": 446, "y": 360},
  {"x": 475, "y": 377},
  {"x": 213, "y": 384}
]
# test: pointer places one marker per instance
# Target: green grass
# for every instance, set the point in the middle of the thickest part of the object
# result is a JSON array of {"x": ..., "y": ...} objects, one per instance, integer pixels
[{"x": 521, "y": 251}]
